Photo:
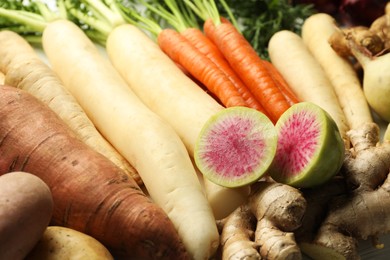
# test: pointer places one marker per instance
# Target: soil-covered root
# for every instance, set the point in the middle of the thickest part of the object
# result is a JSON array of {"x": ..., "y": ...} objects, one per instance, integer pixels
[
  {"x": 265, "y": 223},
  {"x": 363, "y": 212}
]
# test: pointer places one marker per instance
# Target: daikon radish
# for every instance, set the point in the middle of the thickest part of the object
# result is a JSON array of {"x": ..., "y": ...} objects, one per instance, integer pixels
[
  {"x": 305, "y": 75},
  {"x": 24, "y": 69},
  {"x": 316, "y": 31},
  {"x": 166, "y": 90},
  {"x": 145, "y": 139}
]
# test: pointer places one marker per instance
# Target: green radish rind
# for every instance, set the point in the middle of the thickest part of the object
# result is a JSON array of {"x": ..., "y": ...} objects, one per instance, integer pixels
[
  {"x": 326, "y": 147},
  {"x": 235, "y": 147}
]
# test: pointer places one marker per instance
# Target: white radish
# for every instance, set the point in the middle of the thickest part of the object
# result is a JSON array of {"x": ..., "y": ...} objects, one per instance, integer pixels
[
  {"x": 24, "y": 69},
  {"x": 305, "y": 75},
  {"x": 316, "y": 31},
  {"x": 166, "y": 90},
  {"x": 376, "y": 79},
  {"x": 144, "y": 138}
]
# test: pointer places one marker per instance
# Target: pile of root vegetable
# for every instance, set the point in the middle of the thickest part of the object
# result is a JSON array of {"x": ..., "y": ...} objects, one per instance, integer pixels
[{"x": 158, "y": 130}]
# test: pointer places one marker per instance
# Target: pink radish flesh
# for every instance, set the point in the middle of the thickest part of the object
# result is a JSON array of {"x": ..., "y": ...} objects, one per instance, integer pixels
[
  {"x": 233, "y": 149},
  {"x": 297, "y": 143}
]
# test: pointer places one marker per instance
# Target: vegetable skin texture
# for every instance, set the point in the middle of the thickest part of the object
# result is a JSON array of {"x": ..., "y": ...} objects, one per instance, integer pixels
[
  {"x": 264, "y": 224},
  {"x": 145, "y": 139},
  {"x": 237, "y": 235},
  {"x": 90, "y": 193},
  {"x": 376, "y": 79},
  {"x": 173, "y": 96},
  {"x": 24, "y": 69},
  {"x": 367, "y": 200},
  {"x": 26, "y": 207},
  {"x": 181, "y": 51},
  {"x": 316, "y": 31},
  {"x": 65, "y": 243},
  {"x": 248, "y": 65},
  {"x": 208, "y": 48},
  {"x": 305, "y": 75}
]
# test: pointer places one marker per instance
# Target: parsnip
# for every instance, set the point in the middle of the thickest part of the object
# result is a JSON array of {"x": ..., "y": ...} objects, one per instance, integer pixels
[
  {"x": 164, "y": 88},
  {"x": 305, "y": 75},
  {"x": 376, "y": 79},
  {"x": 145, "y": 139},
  {"x": 24, "y": 69},
  {"x": 316, "y": 31}
]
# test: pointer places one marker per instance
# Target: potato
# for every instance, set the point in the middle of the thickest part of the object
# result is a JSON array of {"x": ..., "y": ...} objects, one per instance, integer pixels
[
  {"x": 26, "y": 207},
  {"x": 66, "y": 243}
]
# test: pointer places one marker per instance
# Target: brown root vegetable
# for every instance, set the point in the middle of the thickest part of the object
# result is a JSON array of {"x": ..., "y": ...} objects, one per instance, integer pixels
[
  {"x": 381, "y": 27},
  {"x": 277, "y": 210},
  {"x": 26, "y": 207},
  {"x": 90, "y": 193},
  {"x": 351, "y": 216},
  {"x": 24, "y": 69},
  {"x": 238, "y": 234}
]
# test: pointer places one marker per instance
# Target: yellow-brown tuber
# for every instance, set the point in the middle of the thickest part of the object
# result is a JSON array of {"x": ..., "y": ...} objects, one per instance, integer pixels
[
  {"x": 265, "y": 223},
  {"x": 363, "y": 212}
]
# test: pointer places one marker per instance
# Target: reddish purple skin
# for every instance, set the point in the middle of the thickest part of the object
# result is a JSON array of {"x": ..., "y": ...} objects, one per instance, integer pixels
[
  {"x": 232, "y": 149},
  {"x": 297, "y": 143}
]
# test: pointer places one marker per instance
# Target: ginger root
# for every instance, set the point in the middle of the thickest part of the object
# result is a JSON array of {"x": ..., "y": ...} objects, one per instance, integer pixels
[
  {"x": 264, "y": 224},
  {"x": 364, "y": 211},
  {"x": 374, "y": 40}
]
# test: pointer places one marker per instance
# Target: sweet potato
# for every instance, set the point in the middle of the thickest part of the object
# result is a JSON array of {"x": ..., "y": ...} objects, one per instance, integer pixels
[{"x": 90, "y": 193}]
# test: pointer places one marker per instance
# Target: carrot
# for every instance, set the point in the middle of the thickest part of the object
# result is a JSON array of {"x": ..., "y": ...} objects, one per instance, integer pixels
[
  {"x": 183, "y": 52},
  {"x": 281, "y": 83},
  {"x": 316, "y": 31},
  {"x": 197, "y": 38},
  {"x": 25, "y": 70},
  {"x": 248, "y": 65},
  {"x": 143, "y": 137},
  {"x": 184, "y": 21},
  {"x": 90, "y": 193},
  {"x": 305, "y": 75}
]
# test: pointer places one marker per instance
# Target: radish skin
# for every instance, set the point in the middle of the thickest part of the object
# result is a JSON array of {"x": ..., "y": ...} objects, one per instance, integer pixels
[
  {"x": 305, "y": 75},
  {"x": 24, "y": 69},
  {"x": 376, "y": 80},
  {"x": 146, "y": 140},
  {"x": 166, "y": 90},
  {"x": 316, "y": 31}
]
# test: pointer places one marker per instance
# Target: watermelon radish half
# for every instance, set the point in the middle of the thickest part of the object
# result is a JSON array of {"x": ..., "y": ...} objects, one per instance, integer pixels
[
  {"x": 236, "y": 146},
  {"x": 310, "y": 149}
]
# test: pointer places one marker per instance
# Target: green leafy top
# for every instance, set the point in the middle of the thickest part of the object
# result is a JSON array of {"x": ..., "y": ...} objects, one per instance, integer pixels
[
  {"x": 260, "y": 19},
  {"x": 29, "y": 17}
]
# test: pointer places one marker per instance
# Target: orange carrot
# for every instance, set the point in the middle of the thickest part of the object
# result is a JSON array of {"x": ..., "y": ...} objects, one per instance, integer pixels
[
  {"x": 181, "y": 51},
  {"x": 201, "y": 42},
  {"x": 248, "y": 65},
  {"x": 90, "y": 193},
  {"x": 281, "y": 83}
]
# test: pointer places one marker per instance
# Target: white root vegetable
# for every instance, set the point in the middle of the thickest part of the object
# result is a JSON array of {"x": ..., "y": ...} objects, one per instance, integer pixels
[
  {"x": 376, "y": 79},
  {"x": 24, "y": 69},
  {"x": 145, "y": 139},
  {"x": 165, "y": 89},
  {"x": 316, "y": 31},
  {"x": 305, "y": 75}
]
